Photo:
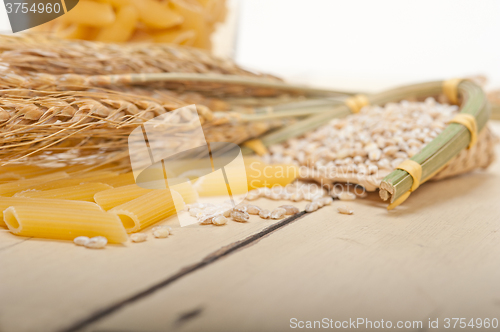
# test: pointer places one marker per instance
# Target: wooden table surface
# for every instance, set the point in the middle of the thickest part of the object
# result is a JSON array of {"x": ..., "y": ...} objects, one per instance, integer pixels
[{"x": 435, "y": 257}]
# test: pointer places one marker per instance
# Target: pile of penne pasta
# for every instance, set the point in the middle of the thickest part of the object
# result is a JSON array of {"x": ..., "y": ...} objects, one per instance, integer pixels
[
  {"x": 65, "y": 203},
  {"x": 69, "y": 202},
  {"x": 181, "y": 22}
]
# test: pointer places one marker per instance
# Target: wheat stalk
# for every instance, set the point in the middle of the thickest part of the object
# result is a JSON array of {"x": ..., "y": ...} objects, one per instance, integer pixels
[
  {"x": 77, "y": 63},
  {"x": 81, "y": 99}
]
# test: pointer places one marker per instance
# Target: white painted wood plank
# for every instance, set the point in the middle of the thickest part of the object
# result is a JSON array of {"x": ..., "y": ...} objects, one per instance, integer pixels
[
  {"x": 436, "y": 256},
  {"x": 56, "y": 283}
]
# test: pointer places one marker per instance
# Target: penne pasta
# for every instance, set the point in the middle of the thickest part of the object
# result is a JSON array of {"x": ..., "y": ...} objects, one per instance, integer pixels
[
  {"x": 176, "y": 36},
  {"x": 261, "y": 175},
  {"x": 179, "y": 22},
  {"x": 148, "y": 209},
  {"x": 75, "y": 180},
  {"x": 110, "y": 198},
  {"x": 83, "y": 192},
  {"x": 120, "y": 180},
  {"x": 89, "y": 13},
  {"x": 10, "y": 176},
  {"x": 194, "y": 19},
  {"x": 29, "y": 171},
  {"x": 19, "y": 169},
  {"x": 187, "y": 191},
  {"x": 74, "y": 31},
  {"x": 157, "y": 15},
  {"x": 214, "y": 184},
  {"x": 75, "y": 169},
  {"x": 10, "y": 188},
  {"x": 258, "y": 174},
  {"x": 118, "y": 3},
  {"x": 63, "y": 224},
  {"x": 6, "y": 202},
  {"x": 86, "y": 169},
  {"x": 141, "y": 36},
  {"x": 122, "y": 28},
  {"x": 216, "y": 10}
]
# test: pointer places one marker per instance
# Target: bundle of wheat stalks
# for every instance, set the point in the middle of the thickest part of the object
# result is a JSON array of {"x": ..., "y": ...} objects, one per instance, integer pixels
[
  {"x": 28, "y": 58},
  {"x": 59, "y": 97},
  {"x": 77, "y": 102}
]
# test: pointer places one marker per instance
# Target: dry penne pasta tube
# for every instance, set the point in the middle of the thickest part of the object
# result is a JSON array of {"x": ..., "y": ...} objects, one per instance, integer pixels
[
  {"x": 84, "y": 169},
  {"x": 120, "y": 180},
  {"x": 82, "y": 192},
  {"x": 75, "y": 180},
  {"x": 10, "y": 188},
  {"x": 63, "y": 224},
  {"x": 10, "y": 176},
  {"x": 91, "y": 176},
  {"x": 122, "y": 28},
  {"x": 210, "y": 185},
  {"x": 148, "y": 209},
  {"x": 258, "y": 174},
  {"x": 28, "y": 171},
  {"x": 195, "y": 20},
  {"x": 74, "y": 31},
  {"x": 20, "y": 169},
  {"x": 35, "y": 203},
  {"x": 91, "y": 13},
  {"x": 176, "y": 36},
  {"x": 110, "y": 198},
  {"x": 24, "y": 170},
  {"x": 180, "y": 22},
  {"x": 213, "y": 184},
  {"x": 187, "y": 191},
  {"x": 155, "y": 15}
]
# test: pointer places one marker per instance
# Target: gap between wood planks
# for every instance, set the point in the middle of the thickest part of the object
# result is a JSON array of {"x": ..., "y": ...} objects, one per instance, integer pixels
[
  {"x": 211, "y": 258},
  {"x": 14, "y": 244}
]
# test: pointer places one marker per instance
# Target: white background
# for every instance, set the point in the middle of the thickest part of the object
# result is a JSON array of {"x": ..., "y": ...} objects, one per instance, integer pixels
[
  {"x": 366, "y": 44},
  {"x": 370, "y": 45}
]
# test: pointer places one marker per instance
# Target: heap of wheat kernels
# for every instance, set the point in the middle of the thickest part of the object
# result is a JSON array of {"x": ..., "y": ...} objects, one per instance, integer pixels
[{"x": 375, "y": 140}]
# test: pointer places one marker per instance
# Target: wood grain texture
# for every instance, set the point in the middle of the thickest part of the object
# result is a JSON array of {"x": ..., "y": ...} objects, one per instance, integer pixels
[
  {"x": 58, "y": 284},
  {"x": 436, "y": 256}
]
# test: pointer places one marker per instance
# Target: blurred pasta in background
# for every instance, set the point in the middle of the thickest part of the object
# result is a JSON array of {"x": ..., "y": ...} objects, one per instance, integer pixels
[{"x": 181, "y": 22}]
